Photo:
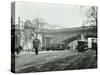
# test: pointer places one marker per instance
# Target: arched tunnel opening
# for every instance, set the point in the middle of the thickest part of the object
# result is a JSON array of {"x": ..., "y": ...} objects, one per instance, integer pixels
[{"x": 70, "y": 40}]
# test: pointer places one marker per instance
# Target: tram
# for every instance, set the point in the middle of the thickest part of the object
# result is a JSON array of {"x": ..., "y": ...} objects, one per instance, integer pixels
[
  {"x": 82, "y": 45},
  {"x": 60, "y": 46}
]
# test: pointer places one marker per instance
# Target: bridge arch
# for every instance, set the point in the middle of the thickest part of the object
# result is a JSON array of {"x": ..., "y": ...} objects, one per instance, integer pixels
[
  {"x": 66, "y": 36},
  {"x": 71, "y": 39}
]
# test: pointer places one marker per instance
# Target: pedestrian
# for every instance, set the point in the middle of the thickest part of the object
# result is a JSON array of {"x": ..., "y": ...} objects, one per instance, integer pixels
[
  {"x": 36, "y": 45},
  {"x": 19, "y": 49}
]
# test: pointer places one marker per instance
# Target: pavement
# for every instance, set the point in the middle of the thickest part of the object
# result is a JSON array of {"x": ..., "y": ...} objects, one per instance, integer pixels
[{"x": 54, "y": 61}]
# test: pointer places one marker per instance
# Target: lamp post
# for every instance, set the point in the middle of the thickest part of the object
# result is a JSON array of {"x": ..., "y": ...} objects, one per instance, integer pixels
[
  {"x": 19, "y": 23},
  {"x": 37, "y": 28}
]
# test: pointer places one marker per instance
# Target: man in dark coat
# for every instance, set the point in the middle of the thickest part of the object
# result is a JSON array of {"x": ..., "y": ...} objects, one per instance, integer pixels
[
  {"x": 36, "y": 44},
  {"x": 18, "y": 49}
]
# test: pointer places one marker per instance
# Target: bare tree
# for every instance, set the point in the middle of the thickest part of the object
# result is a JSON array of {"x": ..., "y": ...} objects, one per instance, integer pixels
[
  {"x": 92, "y": 15},
  {"x": 40, "y": 24},
  {"x": 90, "y": 12},
  {"x": 28, "y": 30}
]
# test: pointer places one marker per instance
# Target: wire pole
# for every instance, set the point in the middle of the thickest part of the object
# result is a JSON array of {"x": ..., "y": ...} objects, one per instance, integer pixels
[
  {"x": 36, "y": 28},
  {"x": 19, "y": 21}
]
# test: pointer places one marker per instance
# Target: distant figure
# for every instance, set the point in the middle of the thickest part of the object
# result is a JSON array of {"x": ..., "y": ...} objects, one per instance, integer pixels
[
  {"x": 68, "y": 47},
  {"x": 36, "y": 44},
  {"x": 18, "y": 49},
  {"x": 28, "y": 50}
]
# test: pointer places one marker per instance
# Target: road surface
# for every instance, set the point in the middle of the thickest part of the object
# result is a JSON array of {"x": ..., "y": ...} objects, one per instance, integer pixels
[{"x": 55, "y": 61}]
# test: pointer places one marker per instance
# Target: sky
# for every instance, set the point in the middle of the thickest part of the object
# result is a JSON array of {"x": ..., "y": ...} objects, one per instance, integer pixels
[{"x": 61, "y": 15}]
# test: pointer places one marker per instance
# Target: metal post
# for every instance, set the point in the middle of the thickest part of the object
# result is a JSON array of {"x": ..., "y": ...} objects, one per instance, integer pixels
[
  {"x": 36, "y": 28},
  {"x": 19, "y": 28}
]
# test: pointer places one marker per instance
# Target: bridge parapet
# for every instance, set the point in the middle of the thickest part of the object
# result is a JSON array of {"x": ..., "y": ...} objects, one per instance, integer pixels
[{"x": 67, "y": 35}]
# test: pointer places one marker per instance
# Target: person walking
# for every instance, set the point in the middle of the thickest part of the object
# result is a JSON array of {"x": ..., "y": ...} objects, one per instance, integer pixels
[{"x": 36, "y": 45}]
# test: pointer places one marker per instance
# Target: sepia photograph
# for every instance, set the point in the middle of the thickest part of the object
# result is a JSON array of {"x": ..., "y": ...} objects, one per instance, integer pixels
[{"x": 53, "y": 37}]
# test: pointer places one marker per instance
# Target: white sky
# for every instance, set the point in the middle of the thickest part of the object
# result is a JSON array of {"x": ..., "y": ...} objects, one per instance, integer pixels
[{"x": 54, "y": 14}]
